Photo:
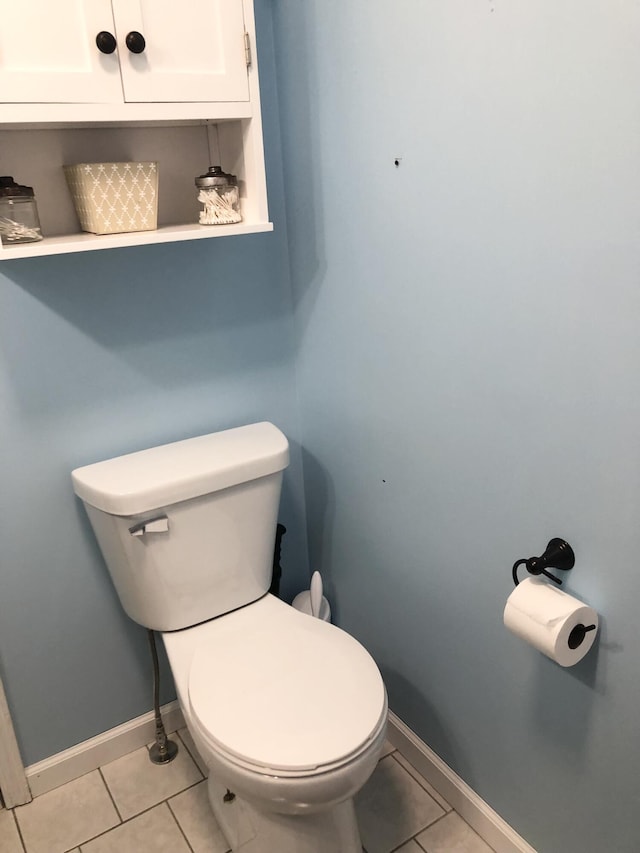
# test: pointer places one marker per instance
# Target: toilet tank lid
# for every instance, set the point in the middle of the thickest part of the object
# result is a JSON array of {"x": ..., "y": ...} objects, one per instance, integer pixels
[{"x": 161, "y": 476}]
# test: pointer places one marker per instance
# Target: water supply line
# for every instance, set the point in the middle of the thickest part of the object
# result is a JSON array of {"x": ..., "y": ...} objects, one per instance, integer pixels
[{"x": 163, "y": 750}]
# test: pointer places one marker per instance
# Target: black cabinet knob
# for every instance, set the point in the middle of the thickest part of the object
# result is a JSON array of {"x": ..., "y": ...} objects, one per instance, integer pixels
[
  {"x": 106, "y": 42},
  {"x": 135, "y": 42}
]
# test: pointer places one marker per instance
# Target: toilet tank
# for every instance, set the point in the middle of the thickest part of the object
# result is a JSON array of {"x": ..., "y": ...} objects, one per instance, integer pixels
[{"x": 187, "y": 529}]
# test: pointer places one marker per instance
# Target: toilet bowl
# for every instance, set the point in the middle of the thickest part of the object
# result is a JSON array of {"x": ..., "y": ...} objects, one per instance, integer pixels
[{"x": 288, "y": 712}]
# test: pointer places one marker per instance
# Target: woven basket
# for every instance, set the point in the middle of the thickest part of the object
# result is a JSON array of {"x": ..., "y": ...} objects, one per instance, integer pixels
[{"x": 111, "y": 198}]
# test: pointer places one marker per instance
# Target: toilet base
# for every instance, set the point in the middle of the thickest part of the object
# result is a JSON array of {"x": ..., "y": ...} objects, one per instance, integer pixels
[{"x": 248, "y": 830}]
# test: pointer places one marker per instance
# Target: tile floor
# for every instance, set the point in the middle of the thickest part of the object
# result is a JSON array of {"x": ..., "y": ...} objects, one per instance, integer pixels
[{"x": 132, "y": 806}]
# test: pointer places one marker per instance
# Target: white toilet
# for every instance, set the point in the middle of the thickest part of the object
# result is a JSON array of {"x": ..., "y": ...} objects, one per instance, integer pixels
[{"x": 288, "y": 712}]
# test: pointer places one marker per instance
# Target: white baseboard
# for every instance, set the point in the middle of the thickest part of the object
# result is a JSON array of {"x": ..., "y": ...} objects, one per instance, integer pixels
[
  {"x": 472, "y": 808},
  {"x": 106, "y": 747}
]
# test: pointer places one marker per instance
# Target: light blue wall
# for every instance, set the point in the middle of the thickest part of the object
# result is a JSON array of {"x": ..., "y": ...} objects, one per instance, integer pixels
[
  {"x": 103, "y": 353},
  {"x": 467, "y": 351},
  {"x": 468, "y": 361}
]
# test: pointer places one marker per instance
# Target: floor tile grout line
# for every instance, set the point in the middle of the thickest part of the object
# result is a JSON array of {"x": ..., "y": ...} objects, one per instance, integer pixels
[
  {"x": 417, "y": 778},
  {"x": 415, "y": 835},
  {"x": 133, "y": 817},
  {"x": 402, "y": 843},
  {"x": 160, "y": 802},
  {"x": 189, "y": 753},
  {"x": 414, "y": 838},
  {"x": 192, "y": 757},
  {"x": 430, "y": 823},
  {"x": 439, "y": 820},
  {"x": 406, "y": 841},
  {"x": 181, "y": 830},
  {"x": 429, "y": 826},
  {"x": 117, "y": 826},
  {"x": 104, "y": 782},
  {"x": 120, "y": 818},
  {"x": 17, "y": 825},
  {"x": 433, "y": 822}
]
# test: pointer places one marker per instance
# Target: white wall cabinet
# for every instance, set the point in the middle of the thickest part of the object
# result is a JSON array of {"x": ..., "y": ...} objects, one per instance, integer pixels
[
  {"x": 106, "y": 51},
  {"x": 48, "y": 52},
  {"x": 194, "y": 51},
  {"x": 179, "y": 85}
]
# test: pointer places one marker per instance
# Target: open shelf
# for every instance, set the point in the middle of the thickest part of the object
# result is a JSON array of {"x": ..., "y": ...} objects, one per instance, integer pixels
[
  {"x": 68, "y": 243},
  {"x": 35, "y": 157}
]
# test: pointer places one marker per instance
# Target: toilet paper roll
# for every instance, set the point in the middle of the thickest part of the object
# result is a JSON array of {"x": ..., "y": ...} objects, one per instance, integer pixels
[{"x": 550, "y": 621}]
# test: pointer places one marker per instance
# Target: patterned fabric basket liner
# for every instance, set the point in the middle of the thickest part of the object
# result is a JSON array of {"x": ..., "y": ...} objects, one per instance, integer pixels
[{"x": 111, "y": 198}]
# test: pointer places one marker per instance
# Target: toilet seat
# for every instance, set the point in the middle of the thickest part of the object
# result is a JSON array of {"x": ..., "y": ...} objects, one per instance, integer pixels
[{"x": 276, "y": 691}]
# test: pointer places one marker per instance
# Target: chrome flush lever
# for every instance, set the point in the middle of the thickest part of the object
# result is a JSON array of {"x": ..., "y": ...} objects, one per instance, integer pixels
[{"x": 157, "y": 524}]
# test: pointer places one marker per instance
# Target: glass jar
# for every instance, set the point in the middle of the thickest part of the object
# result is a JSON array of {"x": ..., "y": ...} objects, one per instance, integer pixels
[
  {"x": 19, "y": 221},
  {"x": 218, "y": 194}
]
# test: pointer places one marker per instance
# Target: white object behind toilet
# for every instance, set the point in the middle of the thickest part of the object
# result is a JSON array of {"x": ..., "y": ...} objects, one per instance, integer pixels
[{"x": 312, "y": 601}]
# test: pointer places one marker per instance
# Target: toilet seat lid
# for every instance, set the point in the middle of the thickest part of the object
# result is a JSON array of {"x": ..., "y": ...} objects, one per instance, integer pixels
[{"x": 291, "y": 693}]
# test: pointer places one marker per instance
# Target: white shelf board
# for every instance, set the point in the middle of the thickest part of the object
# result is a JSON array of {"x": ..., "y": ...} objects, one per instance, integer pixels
[
  {"x": 91, "y": 242},
  {"x": 28, "y": 116}
]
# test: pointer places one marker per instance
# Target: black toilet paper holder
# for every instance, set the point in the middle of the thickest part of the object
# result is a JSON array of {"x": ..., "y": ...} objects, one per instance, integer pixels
[{"x": 559, "y": 555}]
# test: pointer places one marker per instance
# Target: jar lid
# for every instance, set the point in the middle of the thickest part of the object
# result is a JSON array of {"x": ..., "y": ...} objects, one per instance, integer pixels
[
  {"x": 8, "y": 187},
  {"x": 215, "y": 177}
]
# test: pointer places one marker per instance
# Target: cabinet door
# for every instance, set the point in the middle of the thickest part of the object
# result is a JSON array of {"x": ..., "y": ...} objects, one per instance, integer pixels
[
  {"x": 194, "y": 50},
  {"x": 48, "y": 52}
]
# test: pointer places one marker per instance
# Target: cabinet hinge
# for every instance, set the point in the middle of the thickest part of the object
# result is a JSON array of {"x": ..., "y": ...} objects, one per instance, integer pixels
[{"x": 247, "y": 49}]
